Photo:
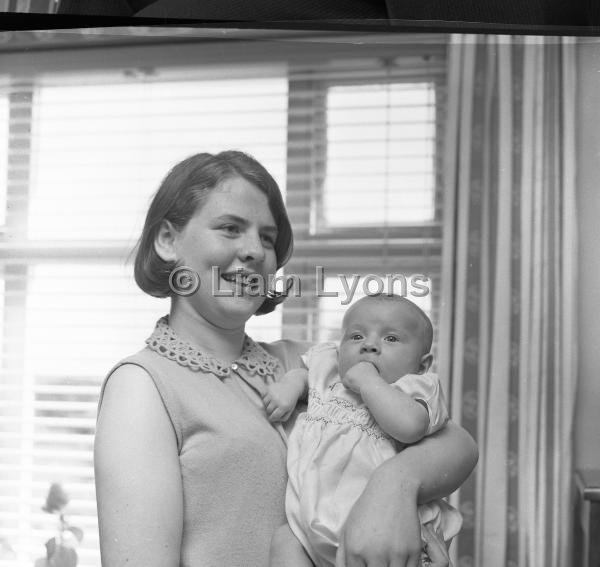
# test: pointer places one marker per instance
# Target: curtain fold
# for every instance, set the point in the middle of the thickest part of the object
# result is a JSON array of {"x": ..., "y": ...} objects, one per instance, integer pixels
[{"x": 507, "y": 329}]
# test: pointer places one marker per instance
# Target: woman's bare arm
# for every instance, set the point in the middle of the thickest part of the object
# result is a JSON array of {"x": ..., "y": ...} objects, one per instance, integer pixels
[
  {"x": 383, "y": 526},
  {"x": 437, "y": 465},
  {"x": 138, "y": 477}
]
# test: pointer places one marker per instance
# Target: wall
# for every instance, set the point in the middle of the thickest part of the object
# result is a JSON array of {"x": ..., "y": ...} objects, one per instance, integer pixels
[{"x": 587, "y": 410}]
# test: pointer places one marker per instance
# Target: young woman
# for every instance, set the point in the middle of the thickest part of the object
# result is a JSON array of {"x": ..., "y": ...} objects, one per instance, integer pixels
[{"x": 189, "y": 471}]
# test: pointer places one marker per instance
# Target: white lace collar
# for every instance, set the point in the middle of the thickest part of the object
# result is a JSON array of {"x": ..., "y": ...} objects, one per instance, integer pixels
[{"x": 254, "y": 359}]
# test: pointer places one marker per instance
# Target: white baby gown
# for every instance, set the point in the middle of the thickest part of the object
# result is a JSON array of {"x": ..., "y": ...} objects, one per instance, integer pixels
[{"x": 334, "y": 448}]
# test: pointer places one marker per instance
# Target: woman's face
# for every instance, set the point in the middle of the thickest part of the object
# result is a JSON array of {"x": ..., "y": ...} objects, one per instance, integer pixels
[{"x": 233, "y": 231}]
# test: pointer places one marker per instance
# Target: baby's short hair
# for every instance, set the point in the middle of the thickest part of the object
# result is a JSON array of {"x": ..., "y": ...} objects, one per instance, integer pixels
[{"x": 426, "y": 327}]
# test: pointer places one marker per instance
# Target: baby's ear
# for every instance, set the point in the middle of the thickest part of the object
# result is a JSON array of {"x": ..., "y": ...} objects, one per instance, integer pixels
[{"x": 425, "y": 363}]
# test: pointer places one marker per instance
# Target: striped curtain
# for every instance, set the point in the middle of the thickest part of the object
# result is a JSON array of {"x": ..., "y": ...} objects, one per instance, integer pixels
[{"x": 507, "y": 330}]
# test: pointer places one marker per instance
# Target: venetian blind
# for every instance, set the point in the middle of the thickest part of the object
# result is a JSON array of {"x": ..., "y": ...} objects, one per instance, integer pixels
[
  {"x": 85, "y": 154},
  {"x": 364, "y": 190},
  {"x": 353, "y": 143}
]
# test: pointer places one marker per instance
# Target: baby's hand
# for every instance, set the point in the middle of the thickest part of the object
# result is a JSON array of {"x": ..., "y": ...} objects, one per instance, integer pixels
[
  {"x": 359, "y": 375},
  {"x": 280, "y": 400}
]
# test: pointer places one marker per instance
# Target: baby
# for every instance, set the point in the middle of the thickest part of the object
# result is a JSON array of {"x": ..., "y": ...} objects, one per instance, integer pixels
[{"x": 367, "y": 400}]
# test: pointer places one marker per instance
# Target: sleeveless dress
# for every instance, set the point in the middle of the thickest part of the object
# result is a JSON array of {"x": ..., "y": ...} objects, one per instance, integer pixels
[
  {"x": 334, "y": 448},
  {"x": 233, "y": 461}
]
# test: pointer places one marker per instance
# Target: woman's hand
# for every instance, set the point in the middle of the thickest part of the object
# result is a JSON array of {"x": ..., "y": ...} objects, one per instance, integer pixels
[
  {"x": 371, "y": 555},
  {"x": 383, "y": 528}
]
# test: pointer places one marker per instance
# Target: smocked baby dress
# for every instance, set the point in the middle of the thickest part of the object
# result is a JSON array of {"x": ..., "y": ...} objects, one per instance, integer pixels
[{"x": 334, "y": 448}]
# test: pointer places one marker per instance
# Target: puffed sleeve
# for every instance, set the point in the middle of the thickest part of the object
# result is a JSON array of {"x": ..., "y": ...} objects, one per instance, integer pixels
[
  {"x": 319, "y": 353},
  {"x": 427, "y": 389}
]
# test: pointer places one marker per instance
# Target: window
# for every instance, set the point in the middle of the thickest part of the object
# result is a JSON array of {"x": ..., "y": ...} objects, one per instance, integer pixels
[
  {"x": 364, "y": 194},
  {"x": 353, "y": 143},
  {"x": 102, "y": 144},
  {"x": 380, "y": 155},
  {"x": 86, "y": 152}
]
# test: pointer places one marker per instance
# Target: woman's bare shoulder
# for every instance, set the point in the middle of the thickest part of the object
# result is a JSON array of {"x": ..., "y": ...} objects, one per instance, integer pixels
[
  {"x": 130, "y": 398},
  {"x": 137, "y": 473},
  {"x": 128, "y": 381}
]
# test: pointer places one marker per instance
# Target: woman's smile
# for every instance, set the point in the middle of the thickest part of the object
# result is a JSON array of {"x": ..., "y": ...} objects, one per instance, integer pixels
[{"x": 244, "y": 280}]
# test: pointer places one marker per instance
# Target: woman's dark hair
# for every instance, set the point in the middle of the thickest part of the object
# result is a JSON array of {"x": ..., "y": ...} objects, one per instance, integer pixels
[{"x": 180, "y": 194}]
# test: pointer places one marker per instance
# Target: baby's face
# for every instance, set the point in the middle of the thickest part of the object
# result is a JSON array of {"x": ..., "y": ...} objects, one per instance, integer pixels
[{"x": 385, "y": 333}]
